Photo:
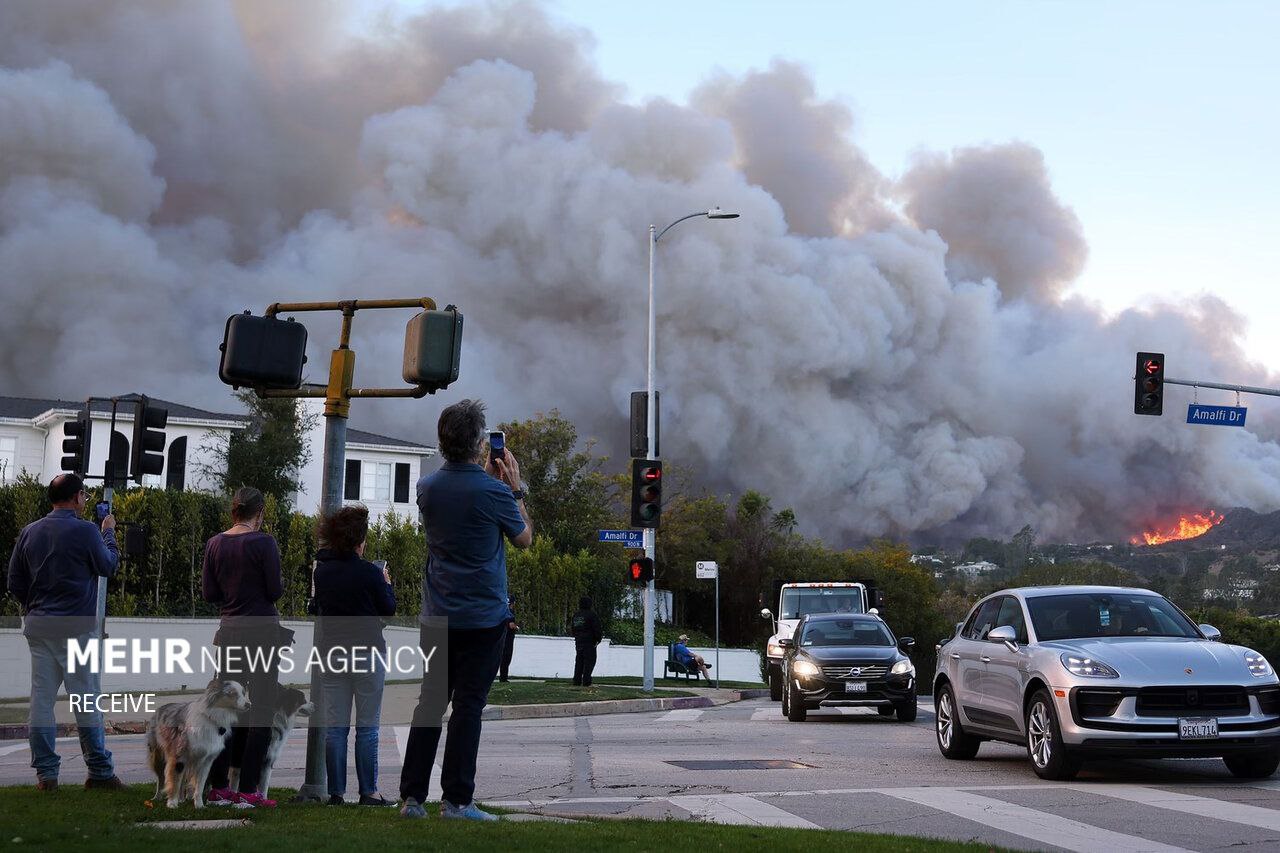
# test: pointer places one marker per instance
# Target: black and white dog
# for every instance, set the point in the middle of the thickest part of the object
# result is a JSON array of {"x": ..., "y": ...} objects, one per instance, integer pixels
[
  {"x": 291, "y": 706},
  {"x": 184, "y": 738}
]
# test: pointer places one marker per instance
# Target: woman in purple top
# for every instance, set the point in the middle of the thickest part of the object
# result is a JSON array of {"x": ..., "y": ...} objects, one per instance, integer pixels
[{"x": 242, "y": 576}]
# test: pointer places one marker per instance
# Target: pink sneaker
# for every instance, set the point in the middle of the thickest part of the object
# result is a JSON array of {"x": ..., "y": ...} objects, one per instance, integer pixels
[
  {"x": 254, "y": 801},
  {"x": 221, "y": 797}
]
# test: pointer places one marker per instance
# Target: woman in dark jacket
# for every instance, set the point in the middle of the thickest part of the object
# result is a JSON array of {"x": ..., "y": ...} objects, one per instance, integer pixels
[
  {"x": 242, "y": 576},
  {"x": 351, "y": 595}
]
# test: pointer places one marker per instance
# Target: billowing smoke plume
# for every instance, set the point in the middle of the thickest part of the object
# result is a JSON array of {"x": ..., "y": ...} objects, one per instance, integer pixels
[{"x": 163, "y": 165}]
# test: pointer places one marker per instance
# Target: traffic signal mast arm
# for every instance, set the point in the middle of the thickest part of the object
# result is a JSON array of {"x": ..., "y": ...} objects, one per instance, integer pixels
[{"x": 1240, "y": 389}]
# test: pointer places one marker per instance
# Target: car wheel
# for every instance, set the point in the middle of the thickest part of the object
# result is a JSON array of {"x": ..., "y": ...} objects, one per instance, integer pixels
[
  {"x": 885, "y": 710},
  {"x": 775, "y": 684},
  {"x": 1048, "y": 754},
  {"x": 952, "y": 741},
  {"x": 1258, "y": 765},
  {"x": 795, "y": 710},
  {"x": 786, "y": 702},
  {"x": 907, "y": 711}
]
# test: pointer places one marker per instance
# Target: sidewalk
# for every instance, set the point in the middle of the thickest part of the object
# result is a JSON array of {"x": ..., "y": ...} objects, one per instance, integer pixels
[{"x": 399, "y": 700}]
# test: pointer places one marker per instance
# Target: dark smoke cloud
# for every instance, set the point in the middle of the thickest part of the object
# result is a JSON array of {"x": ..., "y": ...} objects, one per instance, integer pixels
[{"x": 163, "y": 165}]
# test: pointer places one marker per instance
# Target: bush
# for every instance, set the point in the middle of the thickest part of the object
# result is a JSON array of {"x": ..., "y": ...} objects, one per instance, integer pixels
[
  {"x": 630, "y": 632},
  {"x": 1238, "y": 628}
]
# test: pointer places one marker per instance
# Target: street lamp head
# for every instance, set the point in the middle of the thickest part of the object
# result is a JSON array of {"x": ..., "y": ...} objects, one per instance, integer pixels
[{"x": 717, "y": 213}]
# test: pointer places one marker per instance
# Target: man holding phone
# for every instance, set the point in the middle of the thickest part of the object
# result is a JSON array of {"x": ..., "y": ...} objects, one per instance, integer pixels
[{"x": 469, "y": 512}]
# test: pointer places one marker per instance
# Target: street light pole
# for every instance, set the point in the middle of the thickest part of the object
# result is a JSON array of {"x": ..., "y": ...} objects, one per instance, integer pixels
[{"x": 651, "y": 429}]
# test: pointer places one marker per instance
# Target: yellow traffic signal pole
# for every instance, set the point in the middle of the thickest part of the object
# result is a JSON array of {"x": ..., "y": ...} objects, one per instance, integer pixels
[{"x": 337, "y": 407}]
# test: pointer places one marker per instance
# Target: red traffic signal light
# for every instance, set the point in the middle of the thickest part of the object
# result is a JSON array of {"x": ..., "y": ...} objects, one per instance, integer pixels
[
  {"x": 646, "y": 492},
  {"x": 1148, "y": 384},
  {"x": 640, "y": 570}
]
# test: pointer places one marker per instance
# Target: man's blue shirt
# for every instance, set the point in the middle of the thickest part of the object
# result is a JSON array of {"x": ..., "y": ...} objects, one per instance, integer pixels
[
  {"x": 682, "y": 653},
  {"x": 466, "y": 514},
  {"x": 54, "y": 573}
]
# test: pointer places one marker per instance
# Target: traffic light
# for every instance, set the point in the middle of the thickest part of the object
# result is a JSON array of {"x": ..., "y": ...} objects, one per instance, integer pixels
[
  {"x": 262, "y": 352},
  {"x": 432, "y": 348},
  {"x": 640, "y": 570},
  {"x": 1148, "y": 384},
  {"x": 76, "y": 443},
  {"x": 646, "y": 492},
  {"x": 146, "y": 454}
]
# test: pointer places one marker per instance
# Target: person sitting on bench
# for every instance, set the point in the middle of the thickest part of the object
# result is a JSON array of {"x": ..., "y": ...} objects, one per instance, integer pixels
[{"x": 688, "y": 658}]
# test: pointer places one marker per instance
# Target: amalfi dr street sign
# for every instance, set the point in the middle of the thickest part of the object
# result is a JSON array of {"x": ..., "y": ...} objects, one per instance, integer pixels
[{"x": 1216, "y": 415}]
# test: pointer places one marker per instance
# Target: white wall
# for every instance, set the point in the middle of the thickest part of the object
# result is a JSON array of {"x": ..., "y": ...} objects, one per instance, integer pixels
[
  {"x": 29, "y": 451},
  {"x": 535, "y": 657}
]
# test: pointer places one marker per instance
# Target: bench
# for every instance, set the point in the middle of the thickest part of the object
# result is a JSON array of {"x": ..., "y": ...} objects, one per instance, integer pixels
[{"x": 674, "y": 669}]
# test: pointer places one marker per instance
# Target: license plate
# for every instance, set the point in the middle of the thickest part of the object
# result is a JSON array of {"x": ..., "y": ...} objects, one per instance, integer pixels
[
  {"x": 855, "y": 687},
  {"x": 1198, "y": 728}
]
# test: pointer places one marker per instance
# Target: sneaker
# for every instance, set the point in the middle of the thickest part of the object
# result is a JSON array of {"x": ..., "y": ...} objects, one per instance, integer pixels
[
  {"x": 468, "y": 812},
  {"x": 366, "y": 800},
  {"x": 220, "y": 797},
  {"x": 337, "y": 800},
  {"x": 112, "y": 784},
  {"x": 47, "y": 785},
  {"x": 253, "y": 801},
  {"x": 412, "y": 808}
]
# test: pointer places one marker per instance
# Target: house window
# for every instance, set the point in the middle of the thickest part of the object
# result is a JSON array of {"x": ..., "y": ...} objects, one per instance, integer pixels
[
  {"x": 351, "y": 482},
  {"x": 8, "y": 458},
  {"x": 176, "y": 465},
  {"x": 375, "y": 482},
  {"x": 402, "y": 482}
]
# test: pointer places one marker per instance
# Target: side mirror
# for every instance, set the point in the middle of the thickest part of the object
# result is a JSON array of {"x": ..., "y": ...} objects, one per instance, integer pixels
[
  {"x": 1211, "y": 633},
  {"x": 906, "y": 643},
  {"x": 786, "y": 642},
  {"x": 766, "y": 614},
  {"x": 959, "y": 628},
  {"x": 874, "y": 612},
  {"x": 1004, "y": 634}
]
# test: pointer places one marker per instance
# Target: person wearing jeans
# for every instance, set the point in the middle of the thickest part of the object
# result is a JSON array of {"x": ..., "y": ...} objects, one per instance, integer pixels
[
  {"x": 469, "y": 513},
  {"x": 351, "y": 595},
  {"x": 53, "y": 573}
]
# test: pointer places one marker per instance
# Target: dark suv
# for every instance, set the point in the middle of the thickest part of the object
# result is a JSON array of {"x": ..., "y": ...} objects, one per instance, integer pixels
[{"x": 847, "y": 659}]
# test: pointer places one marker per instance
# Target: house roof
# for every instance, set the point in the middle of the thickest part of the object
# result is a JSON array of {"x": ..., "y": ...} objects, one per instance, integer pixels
[
  {"x": 30, "y": 407},
  {"x": 359, "y": 436}
]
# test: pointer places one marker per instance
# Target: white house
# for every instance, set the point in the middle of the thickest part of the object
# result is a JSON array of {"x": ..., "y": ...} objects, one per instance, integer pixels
[{"x": 381, "y": 470}]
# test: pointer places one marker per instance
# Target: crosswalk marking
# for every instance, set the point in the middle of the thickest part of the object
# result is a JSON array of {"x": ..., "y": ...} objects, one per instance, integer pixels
[
  {"x": 740, "y": 809},
  {"x": 1258, "y": 816},
  {"x": 766, "y": 714},
  {"x": 402, "y": 747},
  {"x": 1042, "y": 827},
  {"x": 681, "y": 715}
]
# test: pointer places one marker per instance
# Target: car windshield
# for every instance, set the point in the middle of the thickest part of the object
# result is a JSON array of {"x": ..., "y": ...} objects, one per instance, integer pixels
[
  {"x": 800, "y": 602},
  {"x": 833, "y": 632},
  {"x": 1076, "y": 615}
]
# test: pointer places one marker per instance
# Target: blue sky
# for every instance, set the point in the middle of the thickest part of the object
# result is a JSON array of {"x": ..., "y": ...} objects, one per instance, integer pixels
[{"x": 1158, "y": 121}]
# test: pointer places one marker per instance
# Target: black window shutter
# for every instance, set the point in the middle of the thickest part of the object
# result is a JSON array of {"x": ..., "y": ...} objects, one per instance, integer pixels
[
  {"x": 351, "y": 487},
  {"x": 402, "y": 483}
]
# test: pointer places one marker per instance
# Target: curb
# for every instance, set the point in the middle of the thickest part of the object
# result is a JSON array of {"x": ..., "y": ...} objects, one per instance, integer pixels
[
  {"x": 585, "y": 709},
  {"x": 491, "y": 712}
]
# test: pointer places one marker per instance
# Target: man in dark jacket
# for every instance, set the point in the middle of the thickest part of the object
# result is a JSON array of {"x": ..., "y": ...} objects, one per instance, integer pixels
[
  {"x": 587, "y": 634},
  {"x": 54, "y": 573}
]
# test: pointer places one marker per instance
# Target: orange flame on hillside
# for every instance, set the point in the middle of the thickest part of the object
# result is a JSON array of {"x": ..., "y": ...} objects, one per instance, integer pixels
[{"x": 1186, "y": 527}]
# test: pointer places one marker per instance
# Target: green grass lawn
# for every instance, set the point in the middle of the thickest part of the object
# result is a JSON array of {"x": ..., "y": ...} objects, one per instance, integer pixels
[
  {"x": 76, "y": 820},
  {"x": 556, "y": 692}
]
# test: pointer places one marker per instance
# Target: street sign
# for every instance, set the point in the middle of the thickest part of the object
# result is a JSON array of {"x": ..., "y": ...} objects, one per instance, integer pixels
[
  {"x": 1216, "y": 415},
  {"x": 706, "y": 569},
  {"x": 626, "y": 538}
]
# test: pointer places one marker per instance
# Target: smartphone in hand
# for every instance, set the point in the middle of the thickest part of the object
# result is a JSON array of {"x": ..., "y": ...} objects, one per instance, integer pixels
[
  {"x": 102, "y": 509},
  {"x": 382, "y": 566},
  {"x": 497, "y": 444}
]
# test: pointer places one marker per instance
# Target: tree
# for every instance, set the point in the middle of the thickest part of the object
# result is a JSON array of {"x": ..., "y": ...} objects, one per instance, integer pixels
[
  {"x": 569, "y": 498},
  {"x": 270, "y": 452}
]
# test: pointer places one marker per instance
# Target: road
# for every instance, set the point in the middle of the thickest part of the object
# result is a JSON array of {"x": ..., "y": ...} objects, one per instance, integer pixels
[{"x": 843, "y": 769}]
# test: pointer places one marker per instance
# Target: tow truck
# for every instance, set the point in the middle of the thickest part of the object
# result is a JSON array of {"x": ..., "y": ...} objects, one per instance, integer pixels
[{"x": 798, "y": 599}]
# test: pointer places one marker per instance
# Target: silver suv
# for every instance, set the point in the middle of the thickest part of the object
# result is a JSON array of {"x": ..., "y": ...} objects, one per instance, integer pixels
[{"x": 1075, "y": 672}]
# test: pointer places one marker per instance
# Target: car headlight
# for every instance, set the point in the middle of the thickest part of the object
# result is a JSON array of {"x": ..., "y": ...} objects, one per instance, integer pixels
[
  {"x": 804, "y": 667},
  {"x": 1257, "y": 664},
  {"x": 902, "y": 667},
  {"x": 774, "y": 650},
  {"x": 1088, "y": 667}
]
